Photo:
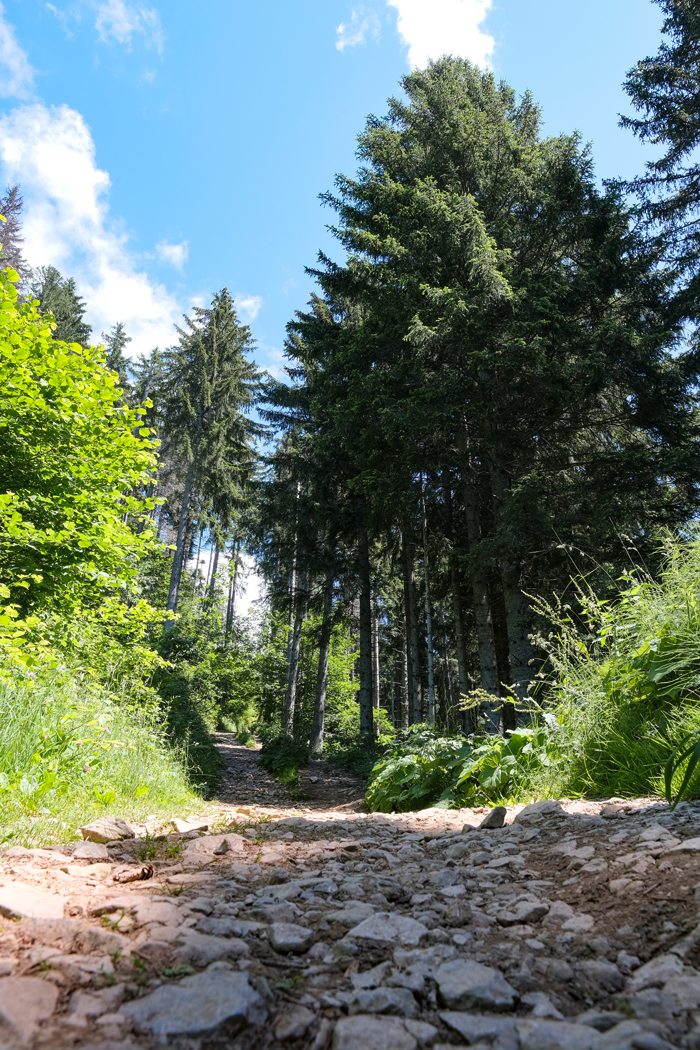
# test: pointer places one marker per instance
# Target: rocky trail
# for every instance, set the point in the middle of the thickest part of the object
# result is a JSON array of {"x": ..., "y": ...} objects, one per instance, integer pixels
[{"x": 574, "y": 926}]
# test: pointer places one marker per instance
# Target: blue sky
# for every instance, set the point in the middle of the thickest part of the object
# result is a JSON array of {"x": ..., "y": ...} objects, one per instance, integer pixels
[{"x": 166, "y": 150}]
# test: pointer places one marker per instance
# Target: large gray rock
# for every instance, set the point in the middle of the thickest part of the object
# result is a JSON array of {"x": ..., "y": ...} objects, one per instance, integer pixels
[
  {"x": 537, "y": 811},
  {"x": 24, "y": 1003},
  {"x": 475, "y": 1027},
  {"x": 496, "y": 818},
  {"x": 166, "y": 914},
  {"x": 557, "y": 1035},
  {"x": 655, "y": 973},
  {"x": 18, "y": 900},
  {"x": 352, "y": 914},
  {"x": 91, "y": 851},
  {"x": 684, "y": 989},
  {"x": 398, "y": 1001},
  {"x": 288, "y": 937},
  {"x": 205, "y": 848},
  {"x": 201, "y": 950},
  {"x": 293, "y": 1023},
  {"x": 227, "y": 926},
  {"x": 198, "y": 1005},
  {"x": 107, "y": 829},
  {"x": 603, "y": 973},
  {"x": 366, "y": 1032},
  {"x": 388, "y": 926},
  {"x": 465, "y": 984},
  {"x": 524, "y": 912}
]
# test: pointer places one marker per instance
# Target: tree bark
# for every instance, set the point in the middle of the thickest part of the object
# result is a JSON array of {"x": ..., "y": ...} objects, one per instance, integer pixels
[
  {"x": 316, "y": 742},
  {"x": 214, "y": 570},
  {"x": 293, "y": 670},
  {"x": 412, "y": 634},
  {"x": 428, "y": 612},
  {"x": 365, "y": 694},
  {"x": 406, "y": 691},
  {"x": 231, "y": 604},
  {"x": 375, "y": 661},
  {"x": 176, "y": 572}
]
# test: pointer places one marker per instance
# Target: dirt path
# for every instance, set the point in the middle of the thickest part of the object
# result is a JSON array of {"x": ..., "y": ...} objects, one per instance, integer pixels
[{"x": 322, "y": 786}]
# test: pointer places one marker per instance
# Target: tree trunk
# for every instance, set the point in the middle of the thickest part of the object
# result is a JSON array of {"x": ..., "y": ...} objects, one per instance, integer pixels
[
  {"x": 316, "y": 743},
  {"x": 293, "y": 670},
  {"x": 482, "y": 603},
  {"x": 365, "y": 694},
  {"x": 176, "y": 572},
  {"x": 412, "y": 637},
  {"x": 375, "y": 661},
  {"x": 520, "y": 650},
  {"x": 428, "y": 612},
  {"x": 214, "y": 570},
  {"x": 231, "y": 604},
  {"x": 406, "y": 687}
]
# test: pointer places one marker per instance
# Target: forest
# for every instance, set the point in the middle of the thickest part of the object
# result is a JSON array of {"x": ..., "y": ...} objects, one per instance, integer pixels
[{"x": 472, "y": 502}]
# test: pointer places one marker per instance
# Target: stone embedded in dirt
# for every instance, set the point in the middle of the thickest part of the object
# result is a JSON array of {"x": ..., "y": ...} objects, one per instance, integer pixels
[
  {"x": 542, "y": 1005},
  {"x": 457, "y": 913},
  {"x": 369, "y": 1032},
  {"x": 293, "y": 1023},
  {"x": 496, "y": 818},
  {"x": 475, "y": 1027},
  {"x": 94, "y": 1004},
  {"x": 199, "y": 949},
  {"x": 579, "y": 923},
  {"x": 689, "y": 846},
  {"x": 98, "y": 870},
  {"x": 288, "y": 937},
  {"x": 655, "y": 973},
  {"x": 96, "y": 938},
  {"x": 90, "y": 851},
  {"x": 537, "y": 811},
  {"x": 523, "y": 912},
  {"x": 558, "y": 1035},
  {"x": 7, "y": 965},
  {"x": 198, "y": 1005},
  {"x": 370, "y": 978},
  {"x": 183, "y": 826},
  {"x": 146, "y": 911},
  {"x": 107, "y": 829},
  {"x": 684, "y": 989},
  {"x": 135, "y": 874},
  {"x": 388, "y": 926},
  {"x": 398, "y": 1001},
  {"x": 465, "y": 984},
  {"x": 24, "y": 1003},
  {"x": 354, "y": 913},
  {"x": 204, "y": 848},
  {"x": 603, "y": 973},
  {"x": 18, "y": 900}
]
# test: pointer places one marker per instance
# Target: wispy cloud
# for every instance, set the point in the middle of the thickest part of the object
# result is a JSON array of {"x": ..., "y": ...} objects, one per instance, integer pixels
[
  {"x": 173, "y": 254},
  {"x": 354, "y": 32},
  {"x": 16, "y": 74},
  {"x": 431, "y": 28},
  {"x": 119, "y": 20},
  {"x": 50, "y": 152},
  {"x": 248, "y": 306}
]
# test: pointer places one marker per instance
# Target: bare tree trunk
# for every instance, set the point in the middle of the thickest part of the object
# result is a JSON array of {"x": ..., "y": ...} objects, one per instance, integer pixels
[
  {"x": 316, "y": 743},
  {"x": 231, "y": 605},
  {"x": 406, "y": 688},
  {"x": 176, "y": 572},
  {"x": 428, "y": 611},
  {"x": 412, "y": 634},
  {"x": 482, "y": 603},
  {"x": 365, "y": 694},
  {"x": 291, "y": 693},
  {"x": 215, "y": 569},
  {"x": 375, "y": 660}
]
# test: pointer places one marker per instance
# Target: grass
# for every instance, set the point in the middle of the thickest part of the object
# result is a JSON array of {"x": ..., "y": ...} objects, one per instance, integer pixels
[{"x": 70, "y": 753}]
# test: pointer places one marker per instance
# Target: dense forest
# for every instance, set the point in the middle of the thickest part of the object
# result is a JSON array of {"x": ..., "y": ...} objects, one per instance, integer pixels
[{"x": 472, "y": 503}]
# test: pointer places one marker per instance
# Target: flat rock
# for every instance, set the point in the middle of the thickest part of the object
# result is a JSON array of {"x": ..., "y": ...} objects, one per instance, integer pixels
[
  {"x": 688, "y": 846},
  {"x": 198, "y": 1005},
  {"x": 388, "y": 926},
  {"x": 183, "y": 826},
  {"x": 522, "y": 913},
  {"x": 556, "y": 1035},
  {"x": 496, "y": 818},
  {"x": 293, "y": 1023},
  {"x": 684, "y": 989},
  {"x": 465, "y": 984},
  {"x": 199, "y": 949},
  {"x": 351, "y": 915},
  {"x": 24, "y": 1003},
  {"x": 156, "y": 911},
  {"x": 475, "y": 1027},
  {"x": 398, "y": 1001},
  {"x": 603, "y": 973},
  {"x": 107, "y": 829},
  {"x": 367, "y": 1032},
  {"x": 90, "y": 851},
  {"x": 227, "y": 926},
  {"x": 22, "y": 901},
  {"x": 205, "y": 846},
  {"x": 288, "y": 937},
  {"x": 537, "y": 811},
  {"x": 655, "y": 973}
]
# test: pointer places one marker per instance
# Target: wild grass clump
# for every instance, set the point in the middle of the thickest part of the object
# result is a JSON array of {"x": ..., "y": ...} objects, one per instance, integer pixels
[
  {"x": 69, "y": 752},
  {"x": 624, "y": 681}
]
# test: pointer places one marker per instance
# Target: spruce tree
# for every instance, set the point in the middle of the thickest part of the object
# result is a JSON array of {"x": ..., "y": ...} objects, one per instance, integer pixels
[{"x": 58, "y": 296}]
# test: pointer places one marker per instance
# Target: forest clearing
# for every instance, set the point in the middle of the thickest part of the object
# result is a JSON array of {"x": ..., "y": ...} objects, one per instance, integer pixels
[{"x": 438, "y": 783}]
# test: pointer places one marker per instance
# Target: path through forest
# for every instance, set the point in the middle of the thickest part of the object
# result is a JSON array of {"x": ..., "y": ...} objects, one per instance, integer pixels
[{"x": 561, "y": 926}]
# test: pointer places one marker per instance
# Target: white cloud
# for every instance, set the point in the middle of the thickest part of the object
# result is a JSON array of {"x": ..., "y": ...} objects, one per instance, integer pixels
[
  {"x": 16, "y": 74},
  {"x": 247, "y": 306},
  {"x": 431, "y": 28},
  {"x": 174, "y": 254},
  {"x": 50, "y": 152},
  {"x": 355, "y": 31},
  {"x": 119, "y": 20}
]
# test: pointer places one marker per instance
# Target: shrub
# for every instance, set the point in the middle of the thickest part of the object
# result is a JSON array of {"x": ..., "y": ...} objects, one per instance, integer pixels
[{"x": 283, "y": 757}]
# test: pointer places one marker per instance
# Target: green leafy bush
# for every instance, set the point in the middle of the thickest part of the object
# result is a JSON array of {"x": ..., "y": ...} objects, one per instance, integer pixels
[
  {"x": 422, "y": 768},
  {"x": 283, "y": 757},
  {"x": 623, "y": 682}
]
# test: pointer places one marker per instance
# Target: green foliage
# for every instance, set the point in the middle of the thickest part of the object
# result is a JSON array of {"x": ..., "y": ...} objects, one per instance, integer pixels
[
  {"x": 423, "y": 768},
  {"x": 623, "y": 682},
  {"x": 58, "y": 297},
  {"x": 283, "y": 757},
  {"x": 70, "y": 752},
  {"x": 71, "y": 454}
]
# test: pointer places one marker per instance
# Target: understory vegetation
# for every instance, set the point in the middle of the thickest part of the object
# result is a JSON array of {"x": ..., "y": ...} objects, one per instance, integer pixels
[{"x": 471, "y": 505}]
